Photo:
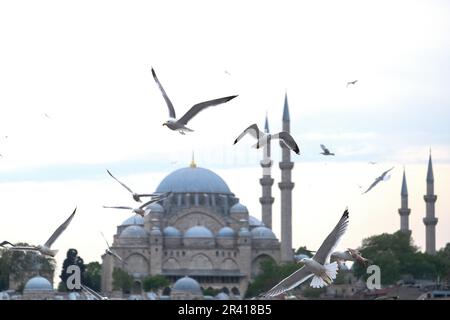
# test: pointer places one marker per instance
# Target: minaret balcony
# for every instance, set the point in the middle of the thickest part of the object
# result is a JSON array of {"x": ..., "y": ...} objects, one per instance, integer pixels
[
  {"x": 266, "y": 181},
  {"x": 286, "y": 165},
  {"x": 404, "y": 212},
  {"x": 264, "y": 200},
  {"x": 286, "y": 185},
  {"x": 430, "y": 198},
  {"x": 430, "y": 221}
]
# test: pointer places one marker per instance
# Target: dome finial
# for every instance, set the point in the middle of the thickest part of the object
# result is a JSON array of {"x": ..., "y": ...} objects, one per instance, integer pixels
[{"x": 193, "y": 164}]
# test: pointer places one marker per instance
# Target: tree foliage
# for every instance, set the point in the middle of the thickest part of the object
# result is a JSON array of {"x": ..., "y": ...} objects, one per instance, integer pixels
[
  {"x": 153, "y": 283},
  {"x": 93, "y": 276},
  {"x": 122, "y": 280}
]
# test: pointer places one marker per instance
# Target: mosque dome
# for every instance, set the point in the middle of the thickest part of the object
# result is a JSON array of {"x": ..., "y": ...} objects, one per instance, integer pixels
[
  {"x": 198, "y": 232},
  {"x": 262, "y": 233},
  {"x": 38, "y": 283},
  {"x": 155, "y": 208},
  {"x": 193, "y": 179},
  {"x": 156, "y": 231},
  {"x": 222, "y": 296},
  {"x": 187, "y": 284},
  {"x": 238, "y": 208},
  {"x": 134, "y": 220},
  {"x": 243, "y": 232},
  {"x": 254, "y": 222},
  {"x": 225, "y": 232},
  {"x": 171, "y": 232},
  {"x": 133, "y": 232}
]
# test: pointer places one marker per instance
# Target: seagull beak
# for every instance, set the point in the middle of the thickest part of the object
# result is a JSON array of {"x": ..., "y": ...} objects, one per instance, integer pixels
[{"x": 164, "y": 124}]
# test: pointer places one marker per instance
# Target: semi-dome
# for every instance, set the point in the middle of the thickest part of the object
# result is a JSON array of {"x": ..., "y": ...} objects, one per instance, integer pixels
[
  {"x": 262, "y": 233},
  {"x": 193, "y": 180},
  {"x": 243, "y": 232},
  {"x": 238, "y": 208},
  {"x": 171, "y": 232},
  {"x": 198, "y": 232},
  {"x": 225, "y": 232},
  {"x": 133, "y": 232},
  {"x": 187, "y": 284},
  {"x": 254, "y": 222},
  {"x": 155, "y": 208},
  {"x": 134, "y": 220},
  {"x": 38, "y": 283}
]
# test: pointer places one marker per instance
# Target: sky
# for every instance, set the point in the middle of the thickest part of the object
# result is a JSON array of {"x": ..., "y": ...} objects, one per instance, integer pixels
[{"x": 77, "y": 97}]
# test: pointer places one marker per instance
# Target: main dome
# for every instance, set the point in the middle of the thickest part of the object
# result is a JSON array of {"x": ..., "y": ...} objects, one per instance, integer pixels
[{"x": 193, "y": 180}]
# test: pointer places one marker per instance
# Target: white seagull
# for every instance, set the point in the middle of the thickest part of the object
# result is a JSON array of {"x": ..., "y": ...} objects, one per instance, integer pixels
[
  {"x": 326, "y": 151},
  {"x": 349, "y": 255},
  {"x": 112, "y": 253},
  {"x": 383, "y": 177},
  {"x": 317, "y": 267},
  {"x": 140, "y": 210},
  {"x": 180, "y": 124},
  {"x": 44, "y": 249},
  {"x": 136, "y": 196},
  {"x": 263, "y": 138}
]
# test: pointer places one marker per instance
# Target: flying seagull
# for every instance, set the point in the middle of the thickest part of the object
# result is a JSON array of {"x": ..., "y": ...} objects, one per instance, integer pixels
[
  {"x": 45, "y": 249},
  {"x": 180, "y": 124},
  {"x": 140, "y": 210},
  {"x": 136, "y": 196},
  {"x": 5, "y": 243},
  {"x": 383, "y": 177},
  {"x": 318, "y": 267},
  {"x": 112, "y": 253},
  {"x": 326, "y": 151},
  {"x": 351, "y": 82},
  {"x": 263, "y": 138},
  {"x": 372, "y": 162},
  {"x": 349, "y": 255}
]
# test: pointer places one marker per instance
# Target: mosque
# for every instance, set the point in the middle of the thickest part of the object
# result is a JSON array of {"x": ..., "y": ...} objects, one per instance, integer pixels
[{"x": 204, "y": 232}]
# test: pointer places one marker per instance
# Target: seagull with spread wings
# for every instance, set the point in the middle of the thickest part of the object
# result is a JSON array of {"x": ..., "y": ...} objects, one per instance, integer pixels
[
  {"x": 112, "y": 253},
  {"x": 263, "y": 138},
  {"x": 136, "y": 196},
  {"x": 45, "y": 248},
  {"x": 349, "y": 255},
  {"x": 318, "y": 267},
  {"x": 351, "y": 82},
  {"x": 382, "y": 177},
  {"x": 180, "y": 124},
  {"x": 326, "y": 151},
  {"x": 140, "y": 210}
]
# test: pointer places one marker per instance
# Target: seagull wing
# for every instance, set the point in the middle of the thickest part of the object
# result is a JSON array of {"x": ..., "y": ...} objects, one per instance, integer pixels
[
  {"x": 60, "y": 230},
  {"x": 95, "y": 294},
  {"x": 288, "y": 140},
  {"x": 253, "y": 130},
  {"x": 323, "y": 254},
  {"x": 123, "y": 184},
  {"x": 324, "y": 149},
  {"x": 118, "y": 207},
  {"x": 372, "y": 185},
  {"x": 150, "y": 202},
  {"x": 105, "y": 240},
  {"x": 6, "y": 242},
  {"x": 202, "y": 106},
  {"x": 385, "y": 173},
  {"x": 289, "y": 283},
  {"x": 166, "y": 98},
  {"x": 115, "y": 255}
]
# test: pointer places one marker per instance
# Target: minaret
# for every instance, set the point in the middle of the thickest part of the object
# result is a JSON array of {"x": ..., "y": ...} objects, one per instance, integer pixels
[
  {"x": 286, "y": 186},
  {"x": 404, "y": 211},
  {"x": 430, "y": 220},
  {"x": 266, "y": 182}
]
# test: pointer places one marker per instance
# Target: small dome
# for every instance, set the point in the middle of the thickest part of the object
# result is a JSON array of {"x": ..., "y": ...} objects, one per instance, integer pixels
[
  {"x": 155, "y": 208},
  {"x": 238, "y": 208},
  {"x": 133, "y": 232},
  {"x": 171, "y": 232},
  {"x": 155, "y": 232},
  {"x": 134, "y": 220},
  {"x": 222, "y": 296},
  {"x": 243, "y": 232},
  {"x": 225, "y": 232},
  {"x": 187, "y": 284},
  {"x": 254, "y": 222},
  {"x": 74, "y": 296},
  {"x": 262, "y": 233},
  {"x": 38, "y": 283},
  {"x": 198, "y": 232}
]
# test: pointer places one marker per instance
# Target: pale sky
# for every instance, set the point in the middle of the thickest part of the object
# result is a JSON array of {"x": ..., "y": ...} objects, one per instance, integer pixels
[{"x": 86, "y": 64}]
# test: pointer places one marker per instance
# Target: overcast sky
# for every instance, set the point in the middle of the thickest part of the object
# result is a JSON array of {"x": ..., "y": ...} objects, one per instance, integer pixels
[{"x": 77, "y": 97}]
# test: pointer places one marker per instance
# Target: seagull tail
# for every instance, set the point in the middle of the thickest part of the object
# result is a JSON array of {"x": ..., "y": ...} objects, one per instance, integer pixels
[
  {"x": 52, "y": 253},
  {"x": 331, "y": 269}
]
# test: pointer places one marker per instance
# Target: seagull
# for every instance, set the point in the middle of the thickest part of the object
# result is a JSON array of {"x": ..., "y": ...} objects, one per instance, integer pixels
[
  {"x": 383, "y": 177},
  {"x": 44, "y": 249},
  {"x": 141, "y": 210},
  {"x": 318, "y": 267},
  {"x": 349, "y": 255},
  {"x": 5, "y": 243},
  {"x": 110, "y": 252},
  {"x": 90, "y": 291},
  {"x": 136, "y": 196},
  {"x": 326, "y": 152},
  {"x": 352, "y": 82},
  {"x": 372, "y": 162},
  {"x": 263, "y": 138},
  {"x": 180, "y": 124}
]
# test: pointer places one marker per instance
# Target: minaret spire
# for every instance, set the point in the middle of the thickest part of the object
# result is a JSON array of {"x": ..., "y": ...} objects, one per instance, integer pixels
[
  {"x": 266, "y": 182},
  {"x": 430, "y": 220},
  {"x": 404, "y": 211},
  {"x": 286, "y": 186}
]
